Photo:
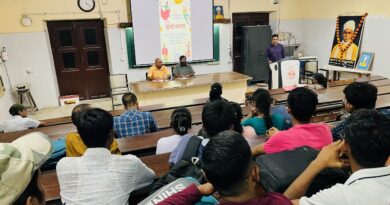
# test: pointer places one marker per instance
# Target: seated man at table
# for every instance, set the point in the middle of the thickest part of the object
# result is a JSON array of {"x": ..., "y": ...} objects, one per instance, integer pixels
[
  {"x": 133, "y": 122},
  {"x": 158, "y": 71},
  {"x": 364, "y": 149},
  {"x": 302, "y": 104},
  {"x": 75, "y": 146},
  {"x": 358, "y": 95},
  {"x": 19, "y": 120},
  {"x": 183, "y": 70},
  {"x": 99, "y": 177}
]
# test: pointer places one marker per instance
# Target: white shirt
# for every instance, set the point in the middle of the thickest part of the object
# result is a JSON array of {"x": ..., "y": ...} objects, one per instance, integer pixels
[
  {"x": 366, "y": 186},
  {"x": 99, "y": 177},
  {"x": 17, "y": 123},
  {"x": 167, "y": 144}
]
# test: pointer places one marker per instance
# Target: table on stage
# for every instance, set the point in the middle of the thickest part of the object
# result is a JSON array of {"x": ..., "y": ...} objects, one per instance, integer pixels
[{"x": 149, "y": 92}]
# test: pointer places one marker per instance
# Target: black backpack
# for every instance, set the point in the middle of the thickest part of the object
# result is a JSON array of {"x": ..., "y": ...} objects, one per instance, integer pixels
[
  {"x": 188, "y": 166},
  {"x": 279, "y": 170}
]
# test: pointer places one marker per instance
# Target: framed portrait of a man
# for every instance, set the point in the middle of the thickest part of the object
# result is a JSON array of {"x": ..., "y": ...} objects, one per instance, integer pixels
[{"x": 347, "y": 39}]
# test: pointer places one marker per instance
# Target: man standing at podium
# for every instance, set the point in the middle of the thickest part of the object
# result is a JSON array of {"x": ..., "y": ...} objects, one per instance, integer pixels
[{"x": 275, "y": 52}]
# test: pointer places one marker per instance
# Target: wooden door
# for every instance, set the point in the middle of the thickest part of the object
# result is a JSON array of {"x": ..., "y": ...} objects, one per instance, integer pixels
[
  {"x": 240, "y": 20},
  {"x": 80, "y": 58}
]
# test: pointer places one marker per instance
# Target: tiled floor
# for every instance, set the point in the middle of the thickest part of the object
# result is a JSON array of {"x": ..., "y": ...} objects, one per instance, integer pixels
[{"x": 62, "y": 111}]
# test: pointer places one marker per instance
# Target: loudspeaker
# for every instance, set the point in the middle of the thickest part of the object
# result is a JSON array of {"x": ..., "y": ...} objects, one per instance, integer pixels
[{"x": 275, "y": 1}]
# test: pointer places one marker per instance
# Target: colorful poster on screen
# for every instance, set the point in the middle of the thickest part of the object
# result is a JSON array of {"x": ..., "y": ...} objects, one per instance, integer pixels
[
  {"x": 346, "y": 42},
  {"x": 175, "y": 29}
]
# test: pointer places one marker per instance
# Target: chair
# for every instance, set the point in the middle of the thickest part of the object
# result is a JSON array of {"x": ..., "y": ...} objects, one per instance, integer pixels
[
  {"x": 25, "y": 98},
  {"x": 118, "y": 87},
  {"x": 310, "y": 67}
]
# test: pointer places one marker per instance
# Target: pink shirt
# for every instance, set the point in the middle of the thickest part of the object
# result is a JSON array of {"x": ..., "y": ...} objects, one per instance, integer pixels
[{"x": 315, "y": 135}]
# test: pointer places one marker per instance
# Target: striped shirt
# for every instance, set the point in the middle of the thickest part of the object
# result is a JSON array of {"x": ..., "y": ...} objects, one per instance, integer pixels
[
  {"x": 133, "y": 123},
  {"x": 18, "y": 123}
]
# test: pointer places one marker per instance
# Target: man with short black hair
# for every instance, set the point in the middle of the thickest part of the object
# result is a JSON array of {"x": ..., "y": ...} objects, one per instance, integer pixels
[
  {"x": 99, "y": 177},
  {"x": 230, "y": 170},
  {"x": 217, "y": 116},
  {"x": 358, "y": 95},
  {"x": 302, "y": 103},
  {"x": 133, "y": 122},
  {"x": 75, "y": 146},
  {"x": 275, "y": 52},
  {"x": 183, "y": 69},
  {"x": 19, "y": 120},
  {"x": 365, "y": 150}
]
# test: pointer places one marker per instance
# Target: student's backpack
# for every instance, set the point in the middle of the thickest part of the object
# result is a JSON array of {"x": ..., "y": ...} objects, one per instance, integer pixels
[
  {"x": 188, "y": 166},
  {"x": 58, "y": 153},
  {"x": 174, "y": 187},
  {"x": 279, "y": 170}
]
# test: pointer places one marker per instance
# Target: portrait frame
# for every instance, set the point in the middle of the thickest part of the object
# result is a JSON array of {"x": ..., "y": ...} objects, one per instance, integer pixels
[{"x": 365, "y": 60}]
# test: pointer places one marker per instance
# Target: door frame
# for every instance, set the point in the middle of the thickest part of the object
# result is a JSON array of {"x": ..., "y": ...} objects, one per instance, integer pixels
[{"x": 51, "y": 54}]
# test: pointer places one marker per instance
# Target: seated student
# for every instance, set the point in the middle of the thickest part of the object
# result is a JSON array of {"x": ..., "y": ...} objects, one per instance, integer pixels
[
  {"x": 181, "y": 121},
  {"x": 158, "y": 71},
  {"x": 75, "y": 146},
  {"x": 259, "y": 118},
  {"x": 365, "y": 150},
  {"x": 19, "y": 120},
  {"x": 247, "y": 132},
  {"x": 133, "y": 122},
  {"x": 217, "y": 116},
  {"x": 19, "y": 169},
  {"x": 215, "y": 92},
  {"x": 302, "y": 104},
  {"x": 230, "y": 170},
  {"x": 99, "y": 177},
  {"x": 183, "y": 70},
  {"x": 358, "y": 95}
]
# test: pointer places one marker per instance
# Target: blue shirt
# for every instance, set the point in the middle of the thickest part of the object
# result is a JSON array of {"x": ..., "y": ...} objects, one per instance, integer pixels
[
  {"x": 275, "y": 53},
  {"x": 338, "y": 131},
  {"x": 133, "y": 123}
]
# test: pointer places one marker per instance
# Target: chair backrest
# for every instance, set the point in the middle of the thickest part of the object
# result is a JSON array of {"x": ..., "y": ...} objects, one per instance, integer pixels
[
  {"x": 311, "y": 66},
  {"x": 118, "y": 81},
  {"x": 172, "y": 75}
]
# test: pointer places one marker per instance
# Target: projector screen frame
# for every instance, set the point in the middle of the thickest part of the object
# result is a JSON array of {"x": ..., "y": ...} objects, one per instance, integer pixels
[{"x": 132, "y": 47}]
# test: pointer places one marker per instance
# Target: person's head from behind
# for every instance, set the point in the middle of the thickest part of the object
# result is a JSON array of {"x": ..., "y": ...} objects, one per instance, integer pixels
[
  {"x": 367, "y": 136},
  {"x": 275, "y": 39},
  {"x": 302, "y": 103},
  {"x": 228, "y": 166},
  {"x": 321, "y": 79},
  {"x": 218, "y": 116},
  {"x": 18, "y": 109},
  {"x": 129, "y": 101},
  {"x": 262, "y": 101},
  {"x": 183, "y": 60},
  {"x": 20, "y": 174},
  {"x": 77, "y": 110},
  {"x": 237, "y": 117},
  {"x": 215, "y": 91},
  {"x": 181, "y": 120},
  {"x": 158, "y": 62},
  {"x": 95, "y": 128},
  {"x": 360, "y": 95}
]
